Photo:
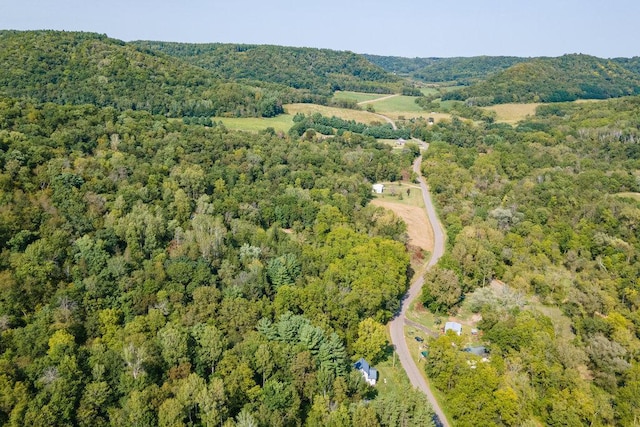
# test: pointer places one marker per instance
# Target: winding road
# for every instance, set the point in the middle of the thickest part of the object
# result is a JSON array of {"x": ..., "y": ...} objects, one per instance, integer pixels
[{"x": 397, "y": 324}]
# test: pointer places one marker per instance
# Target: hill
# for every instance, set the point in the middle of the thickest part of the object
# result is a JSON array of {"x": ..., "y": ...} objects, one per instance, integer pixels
[
  {"x": 565, "y": 78},
  {"x": 87, "y": 68},
  {"x": 322, "y": 71},
  {"x": 456, "y": 70}
]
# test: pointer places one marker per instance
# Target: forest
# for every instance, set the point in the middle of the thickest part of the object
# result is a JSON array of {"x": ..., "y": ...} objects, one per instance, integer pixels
[
  {"x": 561, "y": 79},
  {"x": 157, "y": 273},
  {"x": 157, "y": 268},
  {"x": 321, "y": 71},
  {"x": 551, "y": 208}
]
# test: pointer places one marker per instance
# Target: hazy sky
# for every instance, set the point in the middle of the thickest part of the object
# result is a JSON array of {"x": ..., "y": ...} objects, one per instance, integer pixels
[{"x": 420, "y": 28}]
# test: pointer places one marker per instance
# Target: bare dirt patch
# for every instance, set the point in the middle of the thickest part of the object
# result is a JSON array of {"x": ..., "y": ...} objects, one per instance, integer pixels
[{"x": 418, "y": 226}]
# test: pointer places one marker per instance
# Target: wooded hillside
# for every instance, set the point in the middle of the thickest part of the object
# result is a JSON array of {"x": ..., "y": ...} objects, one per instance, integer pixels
[
  {"x": 86, "y": 68},
  {"x": 565, "y": 78},
  {"x": 322, "y": 71}
]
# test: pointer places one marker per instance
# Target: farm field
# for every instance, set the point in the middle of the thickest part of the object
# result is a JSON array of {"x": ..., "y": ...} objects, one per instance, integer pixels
[
  {"x": 343, "y": 113},
  {"x": 400, "y": 103},
  {"x": 358, "y": 96},
  {"x": 513, "y": 113},
  {"x": 281, "y": 123}
]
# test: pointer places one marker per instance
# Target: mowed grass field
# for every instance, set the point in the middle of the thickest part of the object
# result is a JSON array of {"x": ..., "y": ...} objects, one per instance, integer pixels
[
  {"x": 343, "y": 113},
  {"x": 396, "y": 104},
  {"x": 358, "y": 96},
  {"x": 513, "y": 113},
  {"x": 281, "y": 123}
]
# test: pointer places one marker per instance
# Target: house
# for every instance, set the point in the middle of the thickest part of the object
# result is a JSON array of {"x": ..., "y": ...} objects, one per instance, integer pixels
[
  {"x": 378, "y": 188},
  {"x": 370, "y": 374},
  {"x": 453, "y": 326}
]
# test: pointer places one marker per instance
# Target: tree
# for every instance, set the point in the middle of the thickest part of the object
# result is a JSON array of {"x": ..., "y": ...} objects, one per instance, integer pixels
[
  {"x": 441, "y": 290},
  {"x": 372, "y": 341}
]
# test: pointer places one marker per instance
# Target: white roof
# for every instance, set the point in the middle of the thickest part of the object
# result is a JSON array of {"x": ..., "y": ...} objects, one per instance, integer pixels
[{"x": 453, "y": 326}]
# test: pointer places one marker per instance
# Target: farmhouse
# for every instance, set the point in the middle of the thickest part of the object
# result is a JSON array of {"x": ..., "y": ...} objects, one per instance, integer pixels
[
  {"x": 378, "y": 188},
  {"x": 453, "y": 326},
  {"x": 370, "y": 374}
]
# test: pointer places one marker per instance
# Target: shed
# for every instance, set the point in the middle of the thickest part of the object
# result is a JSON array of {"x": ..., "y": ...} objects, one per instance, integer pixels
[
  {"x": 479, "y": 350},
  {"x": 378, "y": 188},
  {"x": 453, "y": 326},
  {"x": 370, "y": 374}
]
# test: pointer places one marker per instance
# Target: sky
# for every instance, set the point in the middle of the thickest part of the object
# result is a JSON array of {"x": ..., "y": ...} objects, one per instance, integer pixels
[{"x": 418, "y": 28}]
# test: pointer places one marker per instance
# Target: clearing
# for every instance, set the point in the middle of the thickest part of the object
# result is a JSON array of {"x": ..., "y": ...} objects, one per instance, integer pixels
[
  {"x": 513, "y": 113},
  {"x": 343, "y": 113},
  {"x": 635, "y": 196},
  {"x": 411, "y": 210}
]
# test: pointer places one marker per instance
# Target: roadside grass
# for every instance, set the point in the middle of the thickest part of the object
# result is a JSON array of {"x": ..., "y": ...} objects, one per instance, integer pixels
[
  {"x": 281, "y": 123},
  {"x": 392, "y": 378},
  {"x": 343, "y": 113},
  {"x": 513, "y": 113},
  {"x": 358, "y": 96},
  {"x": 415, "y": 349}
]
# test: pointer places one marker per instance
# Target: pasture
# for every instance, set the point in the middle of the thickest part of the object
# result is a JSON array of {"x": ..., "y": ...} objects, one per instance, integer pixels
[
  {"x": 513, "y": 113},
  {"x": 396, "y": 104},
  {"x": 281, "y": 123},
  {"x": 358, "y": 96},
  {"x": 343, "y": 113}
]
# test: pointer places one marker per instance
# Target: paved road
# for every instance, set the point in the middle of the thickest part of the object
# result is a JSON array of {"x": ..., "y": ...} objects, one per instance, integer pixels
[{"x": 397, "y": 324}]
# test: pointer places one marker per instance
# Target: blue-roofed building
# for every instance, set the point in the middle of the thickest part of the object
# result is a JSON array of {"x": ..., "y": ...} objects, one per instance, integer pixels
[{"x": 370, "y": 374}]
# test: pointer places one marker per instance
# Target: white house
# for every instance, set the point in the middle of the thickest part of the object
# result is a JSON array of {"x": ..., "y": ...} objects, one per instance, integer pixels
[
  {"x": 378, "y": 188},
  {"x": 370, "y": 374},
  {"x": 453, "y": 326}
]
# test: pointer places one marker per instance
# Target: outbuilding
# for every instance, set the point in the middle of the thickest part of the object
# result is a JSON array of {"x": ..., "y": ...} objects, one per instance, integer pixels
[
  {"x": 453, "y": 326},
  {"x": 378, "y": 188}
]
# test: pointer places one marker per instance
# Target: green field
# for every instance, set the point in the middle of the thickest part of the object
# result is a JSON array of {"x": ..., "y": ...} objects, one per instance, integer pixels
[
  {"x": 281, "y": 123},
  {"x": 426, "y": 91},
  {"x": 397, "y": 104},
  {"x": 358, "y": 96}
]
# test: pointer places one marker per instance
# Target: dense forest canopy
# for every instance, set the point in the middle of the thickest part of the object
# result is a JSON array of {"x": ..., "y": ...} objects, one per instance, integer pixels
[
  {"x": 77, "y": 68},
  {"x": 551, "y": 208},
  {"x": 460, "y": 71},
  {"x": 161, "y": 273},
  {"x": 565, "y": 78},
  {"x": 322, "y": 71}
]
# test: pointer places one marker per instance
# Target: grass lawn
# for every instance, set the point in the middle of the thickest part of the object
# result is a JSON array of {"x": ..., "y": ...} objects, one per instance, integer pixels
[
  {"x": 396, "y": 192},
  {"x": 282, "y": 123}
]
